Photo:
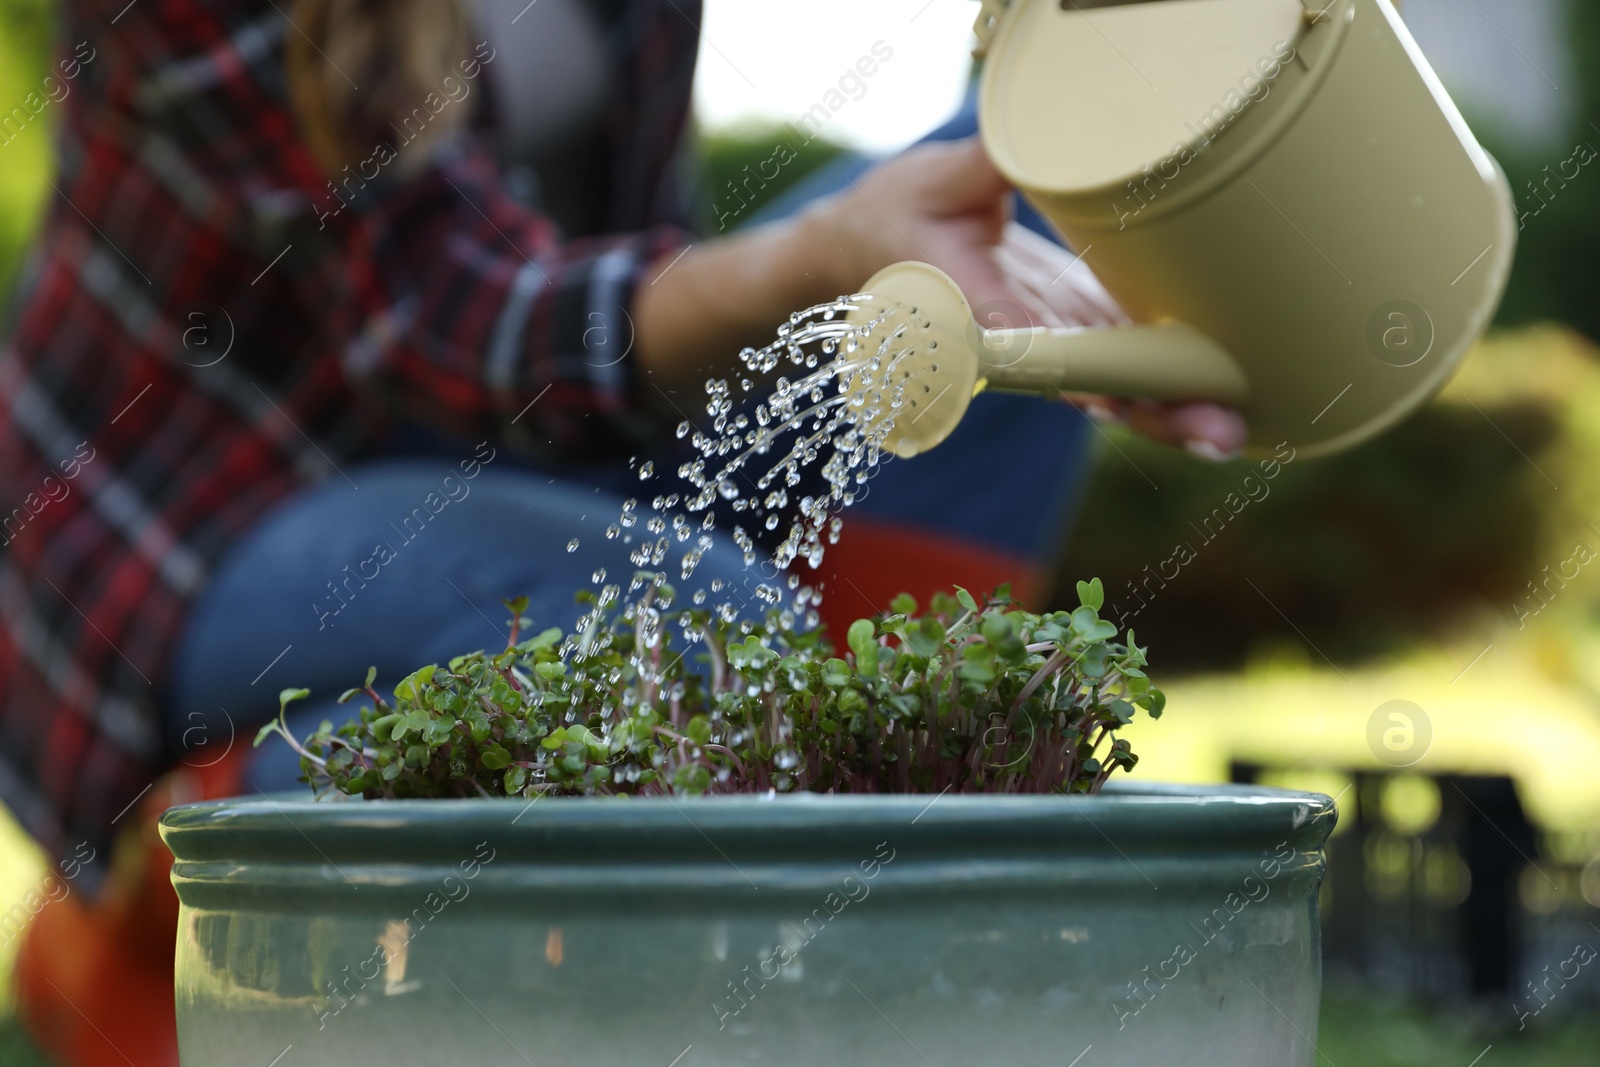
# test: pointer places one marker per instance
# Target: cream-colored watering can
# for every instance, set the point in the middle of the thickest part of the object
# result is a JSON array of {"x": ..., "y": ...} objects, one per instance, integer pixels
[{"x": 1279, "y": 192}]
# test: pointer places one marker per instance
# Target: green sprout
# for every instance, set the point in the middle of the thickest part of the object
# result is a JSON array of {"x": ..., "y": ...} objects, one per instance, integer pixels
[{"x": 968, "y": 697}]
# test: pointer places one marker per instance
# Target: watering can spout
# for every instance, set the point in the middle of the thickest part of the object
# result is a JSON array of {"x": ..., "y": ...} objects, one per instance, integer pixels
[
  {"x": 936, "y": 358},
  {"x": 1166, "y": 361}
]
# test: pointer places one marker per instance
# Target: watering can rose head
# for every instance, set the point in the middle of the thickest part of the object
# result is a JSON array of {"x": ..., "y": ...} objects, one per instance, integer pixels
[{"x": 967, "y": 697}]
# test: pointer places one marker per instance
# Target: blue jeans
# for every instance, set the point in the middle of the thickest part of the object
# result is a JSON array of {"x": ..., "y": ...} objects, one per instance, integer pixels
[{"x": 404, "y": 564}]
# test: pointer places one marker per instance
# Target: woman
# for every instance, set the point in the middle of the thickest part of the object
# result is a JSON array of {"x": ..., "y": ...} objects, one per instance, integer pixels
[{"x": 280, "y": 256}]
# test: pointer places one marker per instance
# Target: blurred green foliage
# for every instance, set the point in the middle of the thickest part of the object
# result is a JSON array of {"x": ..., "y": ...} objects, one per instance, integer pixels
[
  {"x": 26, "y": 30},
  {"x": 15, "y": 1048},
  {"x": 734, "y": 165},
  {"x": 1364, "y": 553},
  {"x": 1359, "y": 1026}
]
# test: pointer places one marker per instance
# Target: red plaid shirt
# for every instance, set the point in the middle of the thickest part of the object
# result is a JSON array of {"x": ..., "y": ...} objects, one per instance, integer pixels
[{"x": 186, "y": 219}]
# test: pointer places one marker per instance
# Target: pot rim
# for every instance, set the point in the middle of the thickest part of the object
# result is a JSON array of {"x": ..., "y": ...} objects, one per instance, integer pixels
[
  {"x": 1140, "y": 816},
  {"x": 688, "y": 855}
]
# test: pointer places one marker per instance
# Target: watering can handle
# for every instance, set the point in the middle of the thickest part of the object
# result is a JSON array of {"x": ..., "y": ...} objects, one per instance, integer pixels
[
  {"x": 992, "y": 11},
  {"x": 988, "y": 22},
  {"x": 1166, "y": 361}
]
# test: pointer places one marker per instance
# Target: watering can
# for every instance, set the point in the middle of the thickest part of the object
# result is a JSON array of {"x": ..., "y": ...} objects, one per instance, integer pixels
[{"x": 1279, "y": 192}]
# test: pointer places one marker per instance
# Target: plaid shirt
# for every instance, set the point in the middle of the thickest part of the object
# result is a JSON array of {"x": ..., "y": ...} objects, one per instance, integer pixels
[{"x": 186, "y": 224}]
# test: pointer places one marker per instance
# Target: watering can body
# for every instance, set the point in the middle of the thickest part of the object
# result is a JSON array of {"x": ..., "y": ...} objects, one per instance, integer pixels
[{"x": 1285, "y": 178}]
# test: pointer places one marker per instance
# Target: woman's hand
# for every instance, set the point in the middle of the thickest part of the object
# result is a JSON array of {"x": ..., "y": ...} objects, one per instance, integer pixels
[
  {"x": 1064, "y": 292},
  {"x": 947, "y": 205}
]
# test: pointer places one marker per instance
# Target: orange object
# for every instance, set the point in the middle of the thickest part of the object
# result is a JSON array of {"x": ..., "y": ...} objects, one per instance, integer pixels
[
  {"x": 876, "y": 561},
  {"x": 94, "y": 975}
]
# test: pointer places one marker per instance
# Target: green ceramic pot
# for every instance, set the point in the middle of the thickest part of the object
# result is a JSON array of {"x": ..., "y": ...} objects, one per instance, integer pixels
[{"x": 1157, "y": 924}]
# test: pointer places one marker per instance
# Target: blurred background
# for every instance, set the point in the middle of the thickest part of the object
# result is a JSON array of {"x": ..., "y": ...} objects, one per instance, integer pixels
[{"x": 1399, "y": 627}]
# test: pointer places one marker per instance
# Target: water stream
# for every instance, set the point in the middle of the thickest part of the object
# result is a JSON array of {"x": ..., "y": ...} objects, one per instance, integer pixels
[{"x": 820, "y": 398}]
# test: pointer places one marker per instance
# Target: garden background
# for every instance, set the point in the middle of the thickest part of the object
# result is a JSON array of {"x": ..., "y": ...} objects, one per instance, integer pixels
[{"x": 1405, "y": 570}]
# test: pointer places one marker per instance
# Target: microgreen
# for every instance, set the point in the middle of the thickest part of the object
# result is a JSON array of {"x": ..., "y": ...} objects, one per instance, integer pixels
[{"x": 966, "y": 697}]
